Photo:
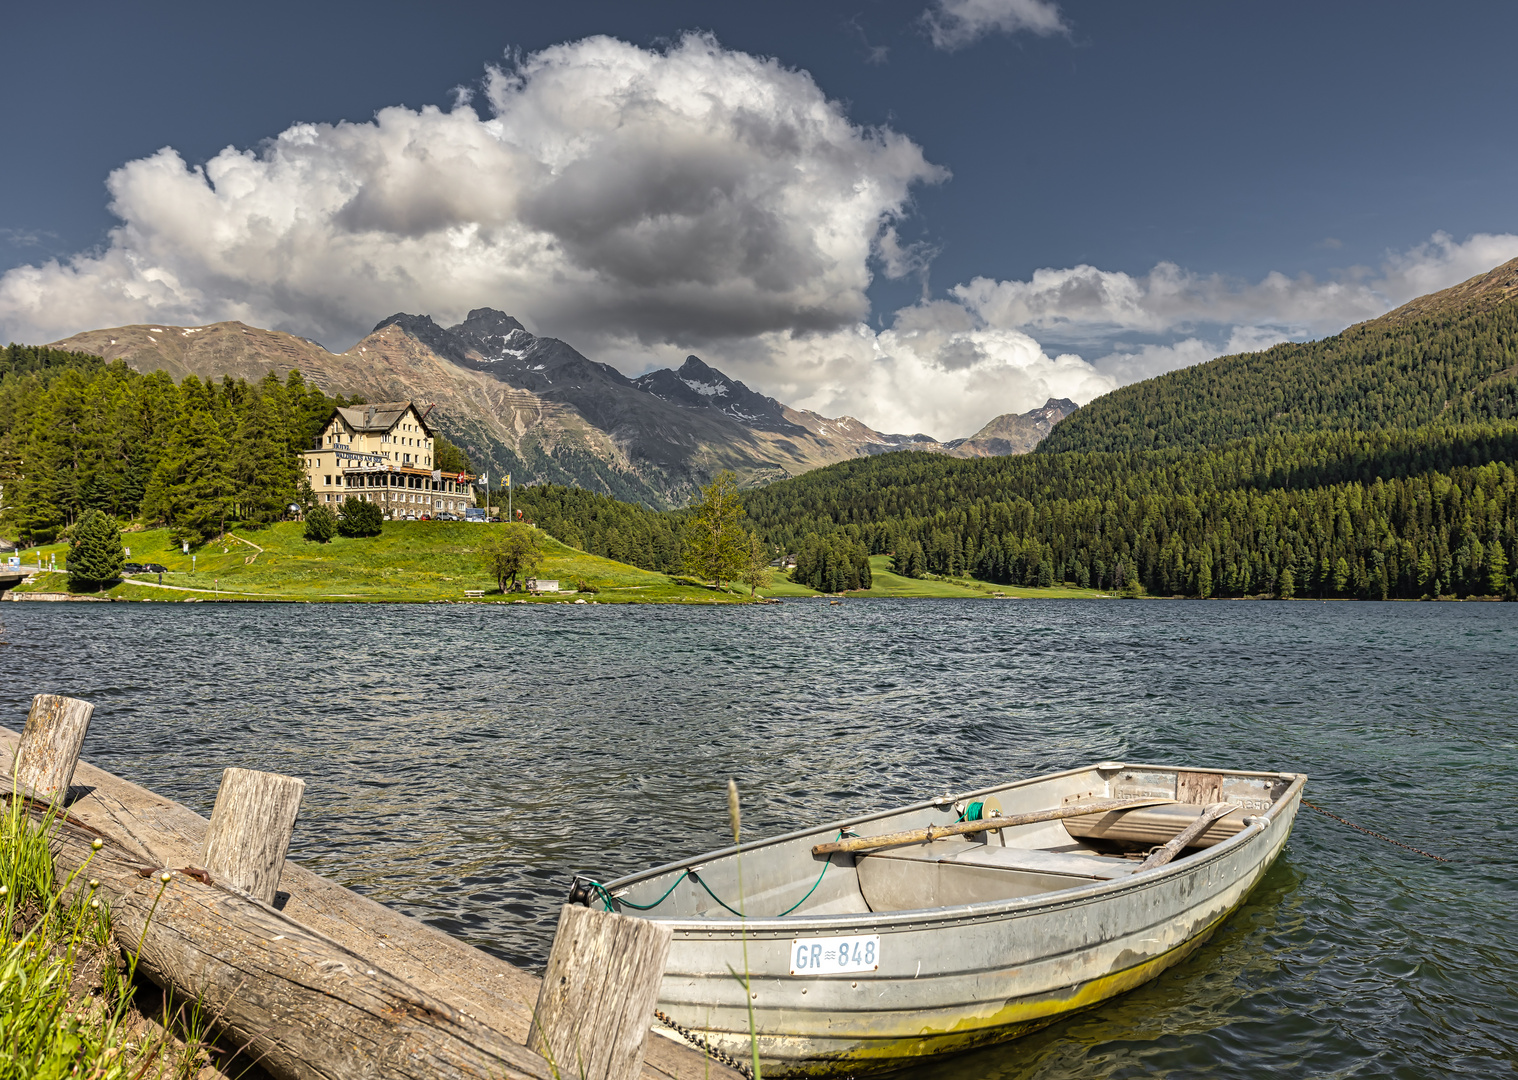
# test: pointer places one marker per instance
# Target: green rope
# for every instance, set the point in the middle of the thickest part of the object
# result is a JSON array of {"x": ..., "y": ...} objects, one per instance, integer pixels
[
  {"x": 610, "y": 901},
  {"x": 826, "y": 863},
  {"x": 714, "y": 896},
  {"x": 607, "y": 898}
]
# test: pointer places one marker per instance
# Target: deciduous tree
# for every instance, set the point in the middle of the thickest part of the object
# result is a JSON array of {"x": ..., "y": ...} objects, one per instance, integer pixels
[
  {"x": 511, "y": 551},
  {"x": 716, "y": 544}
]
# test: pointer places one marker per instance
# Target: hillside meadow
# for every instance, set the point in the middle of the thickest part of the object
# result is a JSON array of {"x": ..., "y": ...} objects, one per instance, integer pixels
[
  {"x": 430, "y": 561},
  {"x": 413, "y": 561}
]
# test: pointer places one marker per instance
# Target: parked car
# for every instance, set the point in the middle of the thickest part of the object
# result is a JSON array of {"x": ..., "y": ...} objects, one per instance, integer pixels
[
  {"x": 133, "y": 568},
  {"x": 446, "y": 516}
]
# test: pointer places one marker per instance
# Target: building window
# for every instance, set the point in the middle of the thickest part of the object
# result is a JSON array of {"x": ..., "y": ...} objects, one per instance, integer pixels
[{"x": 328, "y": 480}]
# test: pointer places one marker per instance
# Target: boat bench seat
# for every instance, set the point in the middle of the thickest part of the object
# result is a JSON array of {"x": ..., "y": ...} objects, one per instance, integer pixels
[
  {"x": 1039, "y": 861},
  {"x": 1032, "y": 860},
  {"x": 944, "y": 873}
]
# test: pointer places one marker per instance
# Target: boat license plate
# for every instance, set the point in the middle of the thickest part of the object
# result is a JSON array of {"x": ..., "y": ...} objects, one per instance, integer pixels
[{"x": 834, "y": 955}]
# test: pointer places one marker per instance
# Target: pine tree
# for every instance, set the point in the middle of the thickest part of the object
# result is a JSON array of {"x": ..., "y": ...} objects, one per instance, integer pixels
[
  {"x": 263, "y": 469},
  {"x": 360, "y": 518},
  {"x": 321, "y": 524},
  {"x": 1496, "y": 569},
  {"x": 45, "y": 491},
  {"x": 95, "y": 555},
  {"x": 190, "y": 489}
]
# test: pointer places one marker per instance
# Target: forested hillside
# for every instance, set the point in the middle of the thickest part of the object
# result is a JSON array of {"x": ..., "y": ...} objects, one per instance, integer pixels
[
  {"x": 1368, "y": 515},
  {"x": 624, "y": 531},
  {"x": 1449, "y": 358},
  {"x": 77, "y": 434}
]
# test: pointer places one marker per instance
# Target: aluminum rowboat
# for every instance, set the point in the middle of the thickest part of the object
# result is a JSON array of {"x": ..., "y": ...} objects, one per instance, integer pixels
[{"x": 861, "y": 962}]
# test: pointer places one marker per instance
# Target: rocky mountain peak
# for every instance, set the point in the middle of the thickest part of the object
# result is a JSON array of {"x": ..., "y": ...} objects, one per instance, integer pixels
[
  {"x": 698, "y": 385},
  {"x": 429, "y": 333},
  {"x": 488, "y": 322}
]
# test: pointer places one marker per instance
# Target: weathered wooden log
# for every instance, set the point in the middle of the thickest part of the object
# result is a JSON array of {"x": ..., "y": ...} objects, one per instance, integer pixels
[
  {"x": 600, "y": 988},
  {"x": 50, "y": 745},
  {"x": 305, "y": 1007},
  {"x": 990, "y": 824},
  {"x": 251, "y": 826},
  {"x": 1161, "y": 856},
  {"x": 158, "y": 831}
]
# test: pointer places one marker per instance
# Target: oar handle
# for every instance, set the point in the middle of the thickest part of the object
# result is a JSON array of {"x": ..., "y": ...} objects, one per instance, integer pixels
[
  {"x": 991, "y": 824},
  {"x": 1161, "y": 856}
]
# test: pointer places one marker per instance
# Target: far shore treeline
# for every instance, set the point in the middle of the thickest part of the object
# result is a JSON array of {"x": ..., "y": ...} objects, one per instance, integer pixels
[{"x": 1377, "y": 464}]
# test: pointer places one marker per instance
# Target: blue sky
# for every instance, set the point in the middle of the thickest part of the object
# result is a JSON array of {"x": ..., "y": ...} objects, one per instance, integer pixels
[{"x": 1360, "y": 153}]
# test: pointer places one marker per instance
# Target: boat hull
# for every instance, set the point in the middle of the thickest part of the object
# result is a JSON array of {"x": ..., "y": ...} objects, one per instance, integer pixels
[{"x": 956, "y": 978}]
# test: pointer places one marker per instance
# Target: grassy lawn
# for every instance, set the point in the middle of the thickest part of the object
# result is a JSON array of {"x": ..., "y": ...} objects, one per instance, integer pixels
[
  {"x": 436, "y": 560},
  {"x": 886, "y": 583},
  {"x": 409, "y": 560}
]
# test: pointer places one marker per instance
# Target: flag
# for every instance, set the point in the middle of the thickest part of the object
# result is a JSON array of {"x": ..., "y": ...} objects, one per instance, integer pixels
[{"x": 508, "y": 479}]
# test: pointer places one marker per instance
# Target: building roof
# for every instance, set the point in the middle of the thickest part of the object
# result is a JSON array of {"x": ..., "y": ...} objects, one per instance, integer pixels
[{"x": 380, "y": 416}]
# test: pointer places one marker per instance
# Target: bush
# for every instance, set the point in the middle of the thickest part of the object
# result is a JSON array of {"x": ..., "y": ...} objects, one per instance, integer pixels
[
  {"x": 585, "y": 586},
  {"x": 95, "y": 555},
  {"x": 321, "y": 524},
  {"x": 360, "y": 518}
]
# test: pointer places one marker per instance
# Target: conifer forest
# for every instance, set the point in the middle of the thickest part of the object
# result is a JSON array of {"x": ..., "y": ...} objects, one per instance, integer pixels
[{"x": 77, "y": 434}]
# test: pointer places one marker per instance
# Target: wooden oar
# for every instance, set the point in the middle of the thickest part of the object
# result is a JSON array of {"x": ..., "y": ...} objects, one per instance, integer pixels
[
  {"x": 1161, "y": 856},
  {"x": 991, "y": 824}
]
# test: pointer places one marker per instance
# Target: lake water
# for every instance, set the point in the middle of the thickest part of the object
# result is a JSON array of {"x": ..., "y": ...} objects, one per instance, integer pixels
[{"x": 463, "y": 761}]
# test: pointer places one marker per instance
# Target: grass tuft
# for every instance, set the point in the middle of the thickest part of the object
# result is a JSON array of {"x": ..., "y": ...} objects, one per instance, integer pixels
[{"x": 67, "y": 1000}]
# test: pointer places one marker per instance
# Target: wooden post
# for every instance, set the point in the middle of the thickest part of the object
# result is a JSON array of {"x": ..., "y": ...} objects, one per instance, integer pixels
[
  {"x": 597, "y": 1001},
  {"x": 250, "y": 830},
  {"x": 50, "y": 745}
]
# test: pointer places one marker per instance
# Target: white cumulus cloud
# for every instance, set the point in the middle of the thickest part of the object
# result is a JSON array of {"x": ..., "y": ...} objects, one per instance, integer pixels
[
  {"x": 953, "y": 24},
  {"x": 1087, "y": 304},
  {"x": 934, "y": 371},
  {"x": 692, "y": 194},
  {"x": 646, "y": 203}
]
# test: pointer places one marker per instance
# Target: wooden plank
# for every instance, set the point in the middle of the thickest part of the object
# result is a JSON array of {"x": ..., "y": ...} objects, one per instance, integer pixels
[
  {"x": 1198, "y": 788},
  {"x": 50, "y": 745},
  {"x": 991, "y": 824},
  {"x": 1204, "y": 821},
  {"x": 601, "y": 986},
  {"x": 250, "y": 830},
  {"x": 158, "y": 831},
  {"x": 305, "y": 1007}
]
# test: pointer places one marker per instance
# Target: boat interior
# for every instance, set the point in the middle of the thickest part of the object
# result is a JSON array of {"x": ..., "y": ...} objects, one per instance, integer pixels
[{"x": 785, "y": 877}]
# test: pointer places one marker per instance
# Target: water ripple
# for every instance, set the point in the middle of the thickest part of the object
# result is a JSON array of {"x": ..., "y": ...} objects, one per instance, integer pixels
[{"x": 462, "y": 762}]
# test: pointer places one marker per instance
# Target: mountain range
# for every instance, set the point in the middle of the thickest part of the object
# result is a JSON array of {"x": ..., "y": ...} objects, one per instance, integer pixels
[{"x": 536, "y": 408}]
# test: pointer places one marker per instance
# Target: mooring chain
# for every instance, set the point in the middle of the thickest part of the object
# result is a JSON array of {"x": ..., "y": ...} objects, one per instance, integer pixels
[
  {"x": 705, "y": 1047},
  {"x": 1378, "y": 836}
]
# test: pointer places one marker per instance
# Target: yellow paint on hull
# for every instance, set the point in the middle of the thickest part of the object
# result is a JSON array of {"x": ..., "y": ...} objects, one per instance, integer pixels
[{"x": 1014, "y": 1020}]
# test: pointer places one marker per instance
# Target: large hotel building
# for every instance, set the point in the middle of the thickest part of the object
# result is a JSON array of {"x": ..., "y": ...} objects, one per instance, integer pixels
[{"x": 383, "y": 453}]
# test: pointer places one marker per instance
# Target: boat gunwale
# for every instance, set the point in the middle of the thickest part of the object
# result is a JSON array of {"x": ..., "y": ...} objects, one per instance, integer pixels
[{"x": 960, "y": 914}]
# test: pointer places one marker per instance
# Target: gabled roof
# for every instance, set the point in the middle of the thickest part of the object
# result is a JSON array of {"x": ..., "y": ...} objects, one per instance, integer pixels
[{"x": 378, "y": 417}]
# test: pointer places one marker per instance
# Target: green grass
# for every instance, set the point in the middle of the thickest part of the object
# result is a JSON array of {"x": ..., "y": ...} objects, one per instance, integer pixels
[
  {"x": 886, "y": 583},
  {"x": 421, "y": 561},
  {"x": 409, "y": 561},
  {"x": 67, "y": 1005}
]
